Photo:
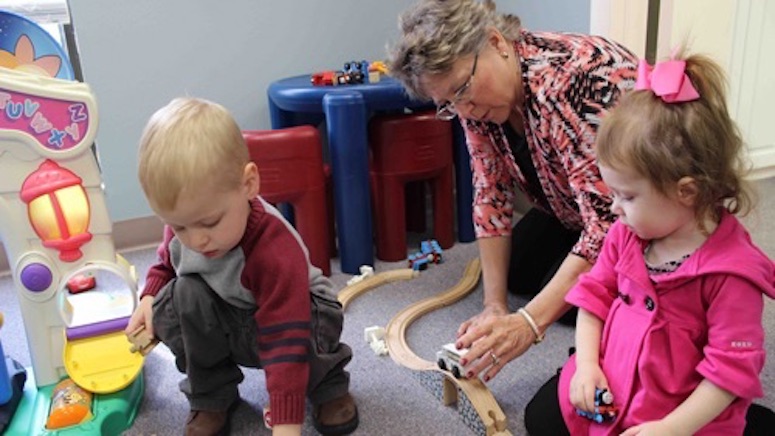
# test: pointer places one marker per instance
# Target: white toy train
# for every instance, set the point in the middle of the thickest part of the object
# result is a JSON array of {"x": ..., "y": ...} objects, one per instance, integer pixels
[{"x": 448, "y": 359}]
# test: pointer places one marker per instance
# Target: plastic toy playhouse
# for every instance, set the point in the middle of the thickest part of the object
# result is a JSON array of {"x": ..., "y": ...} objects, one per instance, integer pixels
[{"x": 75, "y": 293}]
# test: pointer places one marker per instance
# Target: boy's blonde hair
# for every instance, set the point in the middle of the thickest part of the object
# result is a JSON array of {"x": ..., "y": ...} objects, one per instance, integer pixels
[
  {"x": 665, "y": 142},
  {"x": 188, "y": 144}
]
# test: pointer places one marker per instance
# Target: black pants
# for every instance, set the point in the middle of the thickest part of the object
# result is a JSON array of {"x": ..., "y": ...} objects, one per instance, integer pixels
[
  {"x": 211, "y": 339},
  {"x": 539, "y": 245},
  {"x": 543, "y": 416}
]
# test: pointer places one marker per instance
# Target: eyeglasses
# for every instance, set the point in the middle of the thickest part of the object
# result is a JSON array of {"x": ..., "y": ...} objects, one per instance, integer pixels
[{"x": 446, "y": 111}]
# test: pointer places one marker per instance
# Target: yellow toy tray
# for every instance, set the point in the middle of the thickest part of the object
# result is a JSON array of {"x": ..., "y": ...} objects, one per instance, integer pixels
[{"x": 102, "y": 364}]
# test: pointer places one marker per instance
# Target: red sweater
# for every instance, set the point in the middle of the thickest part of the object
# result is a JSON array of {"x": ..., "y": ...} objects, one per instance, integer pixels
[{"x": 270, "y": 271}]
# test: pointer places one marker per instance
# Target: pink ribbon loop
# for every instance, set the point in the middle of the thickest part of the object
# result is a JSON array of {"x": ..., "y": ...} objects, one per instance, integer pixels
[{"x": 667, "y": 80}]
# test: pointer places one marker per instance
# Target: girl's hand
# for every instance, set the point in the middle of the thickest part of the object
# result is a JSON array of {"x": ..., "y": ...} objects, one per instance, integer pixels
[
  {"x": 494, "y": 340},
  {"x": 142, "y": 316},
  {"x": 588, "y": 377}
]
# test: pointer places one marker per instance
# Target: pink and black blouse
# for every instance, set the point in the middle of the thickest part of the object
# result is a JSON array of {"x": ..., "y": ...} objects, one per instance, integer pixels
[{"x": 570, "y": 82}]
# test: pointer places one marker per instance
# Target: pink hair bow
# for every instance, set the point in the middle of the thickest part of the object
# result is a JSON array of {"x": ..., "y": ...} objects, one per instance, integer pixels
[{"x": 667, "y": 80}]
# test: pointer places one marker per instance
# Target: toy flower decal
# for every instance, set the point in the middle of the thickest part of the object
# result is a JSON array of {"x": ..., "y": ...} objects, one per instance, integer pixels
[{"x": 24, "y": 59}]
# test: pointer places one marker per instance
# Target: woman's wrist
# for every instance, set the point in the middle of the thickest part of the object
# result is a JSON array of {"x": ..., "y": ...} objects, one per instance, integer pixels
[
  {"x": 495, "y": 305},
  {"x": 539, "y": 335}
]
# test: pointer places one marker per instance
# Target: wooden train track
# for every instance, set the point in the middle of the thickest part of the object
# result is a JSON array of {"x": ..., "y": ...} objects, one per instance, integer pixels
[
  {"x": 477, "y": 394},
  {"x": 352, "y": 291},
  {"x": 395, "y": 335}
]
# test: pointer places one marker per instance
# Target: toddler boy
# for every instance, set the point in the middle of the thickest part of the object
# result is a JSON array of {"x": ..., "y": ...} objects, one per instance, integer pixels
[{"x": 233, "y": 285}]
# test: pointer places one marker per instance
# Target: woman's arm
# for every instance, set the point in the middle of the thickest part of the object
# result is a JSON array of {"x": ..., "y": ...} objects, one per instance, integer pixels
[
  {"x": 549, "y": 305},
  {"x": 494, "y": 254},
  {"x": 509, "y": 336}
]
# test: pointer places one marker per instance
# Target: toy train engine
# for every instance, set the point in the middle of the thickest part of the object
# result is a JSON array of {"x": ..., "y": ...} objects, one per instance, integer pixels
[
  {"x": 432, "y": 249},
  {"x": 353, "y": 73},
  {"x": 430, "y": 252},
  {"x": 418, "y": 261},
  {"x": 604, "y": 407},
  {"x": 448, "y": 359},
  {"x": 356, "y": 72}
]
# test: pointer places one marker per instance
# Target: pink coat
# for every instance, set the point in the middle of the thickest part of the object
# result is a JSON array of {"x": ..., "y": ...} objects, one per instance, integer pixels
[{"x": 662, "y": 338}]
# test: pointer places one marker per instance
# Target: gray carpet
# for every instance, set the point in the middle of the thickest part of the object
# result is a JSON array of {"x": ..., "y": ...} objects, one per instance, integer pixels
[{"x": 391, "y": 399}]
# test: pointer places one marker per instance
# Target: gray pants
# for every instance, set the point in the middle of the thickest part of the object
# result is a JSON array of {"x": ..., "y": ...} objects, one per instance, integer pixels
[{"x": 211, "y": 339}]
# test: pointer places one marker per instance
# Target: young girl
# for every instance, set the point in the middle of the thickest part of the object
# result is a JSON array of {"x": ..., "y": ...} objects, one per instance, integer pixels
[{"x": 670, "y": 317}]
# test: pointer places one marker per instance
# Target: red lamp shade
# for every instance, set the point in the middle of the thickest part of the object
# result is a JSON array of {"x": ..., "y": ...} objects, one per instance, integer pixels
[{"x": 58, "y": 209}]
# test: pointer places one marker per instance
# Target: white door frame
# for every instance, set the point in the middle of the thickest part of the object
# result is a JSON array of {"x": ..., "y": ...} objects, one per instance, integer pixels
[{"x": 737, "y": 34}]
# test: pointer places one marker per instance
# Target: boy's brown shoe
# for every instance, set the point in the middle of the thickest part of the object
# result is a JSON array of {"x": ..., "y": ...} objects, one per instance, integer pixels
[
  {"x": 336, "y": 417},
  {"x": 210, "y": 422}
]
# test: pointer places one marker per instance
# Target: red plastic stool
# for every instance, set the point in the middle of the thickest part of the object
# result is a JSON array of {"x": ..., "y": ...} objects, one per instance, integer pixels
[
  {"x": 410, "y": 148},
  {"x": 290, "y": 163}
]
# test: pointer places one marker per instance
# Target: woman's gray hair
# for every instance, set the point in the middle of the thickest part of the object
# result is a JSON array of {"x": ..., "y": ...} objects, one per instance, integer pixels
[{"x": 436, "y": 33}]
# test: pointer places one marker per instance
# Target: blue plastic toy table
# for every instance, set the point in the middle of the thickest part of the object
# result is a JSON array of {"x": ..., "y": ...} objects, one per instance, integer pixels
[{"x": 346, "y": 110}]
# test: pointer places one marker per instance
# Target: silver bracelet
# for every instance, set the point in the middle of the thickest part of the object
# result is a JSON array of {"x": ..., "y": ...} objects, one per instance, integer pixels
[{"x": 533, "y": 326}]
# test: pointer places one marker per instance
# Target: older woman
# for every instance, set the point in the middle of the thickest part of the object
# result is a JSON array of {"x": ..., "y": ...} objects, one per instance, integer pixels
[{"x": 530, "y": 104}]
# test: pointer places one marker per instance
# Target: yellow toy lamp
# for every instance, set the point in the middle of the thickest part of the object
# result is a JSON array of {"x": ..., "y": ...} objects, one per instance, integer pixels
[{"x": 58, "y": 209}]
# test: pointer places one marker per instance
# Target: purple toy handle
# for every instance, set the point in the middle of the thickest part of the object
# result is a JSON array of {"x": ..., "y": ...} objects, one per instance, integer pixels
[{"x": 97, "y": 328}]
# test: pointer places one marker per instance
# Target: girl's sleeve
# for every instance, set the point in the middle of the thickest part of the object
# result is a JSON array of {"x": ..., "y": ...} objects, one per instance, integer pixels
[
  {"x": 734, "y": 355},
  {"x": 596, "y": 290}
]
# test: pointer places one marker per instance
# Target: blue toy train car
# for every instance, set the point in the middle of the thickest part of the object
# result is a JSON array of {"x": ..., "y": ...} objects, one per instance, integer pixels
[
  {"x": 604, "y": 407},
  {"x": 430, "y": 252}
]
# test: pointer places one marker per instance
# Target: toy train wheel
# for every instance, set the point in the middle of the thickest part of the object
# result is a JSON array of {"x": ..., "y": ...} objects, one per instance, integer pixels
[
  {"x": 456, "y": 372},
  {"x": 442, "y": 364}
]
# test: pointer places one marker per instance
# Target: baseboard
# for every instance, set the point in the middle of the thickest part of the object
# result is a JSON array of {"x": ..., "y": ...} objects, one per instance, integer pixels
[
  {"x": 762, "y": 173},
  {"x": 137, "y": 233},
  {"x": 127, "y": 235},
  {"x": 763, "y": 160}
]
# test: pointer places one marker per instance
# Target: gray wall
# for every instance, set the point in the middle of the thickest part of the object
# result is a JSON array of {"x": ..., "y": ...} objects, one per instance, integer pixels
[
  {"x": 137, "y": 55},
  {"x": 556, "y": 15}
]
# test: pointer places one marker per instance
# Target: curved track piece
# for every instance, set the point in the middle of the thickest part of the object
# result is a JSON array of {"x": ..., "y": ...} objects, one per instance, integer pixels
[
  {"x": 475, "y": 392},
  {"x": 349, "y": 293}
]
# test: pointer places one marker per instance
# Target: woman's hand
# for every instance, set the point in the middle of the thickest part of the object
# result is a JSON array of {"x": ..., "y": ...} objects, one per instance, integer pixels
[
  {"x": 494, "y": 339},
  {"x": 142, "y": 316},
  {"x": 494, "y": 309},
  {"x": 588, "y": 377}
]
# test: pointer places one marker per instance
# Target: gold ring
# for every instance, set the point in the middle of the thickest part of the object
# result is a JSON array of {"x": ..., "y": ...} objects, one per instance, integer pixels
[{"x": 495, "y": 360}]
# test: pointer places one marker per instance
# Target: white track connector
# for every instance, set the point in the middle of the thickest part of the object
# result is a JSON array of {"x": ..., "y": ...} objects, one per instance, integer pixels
[
  {"x": 366, "y": 271},
  {"x": 375, "y": 336}
]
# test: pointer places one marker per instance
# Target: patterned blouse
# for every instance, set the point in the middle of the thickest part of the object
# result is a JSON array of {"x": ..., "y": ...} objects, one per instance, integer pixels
[{"x": 570, "y": 81}]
